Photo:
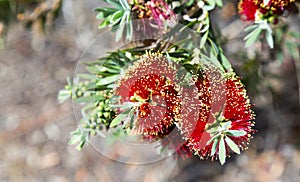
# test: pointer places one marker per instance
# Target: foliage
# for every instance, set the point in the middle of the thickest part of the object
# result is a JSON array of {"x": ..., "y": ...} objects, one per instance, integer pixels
[{"x": 199, "y": 55}]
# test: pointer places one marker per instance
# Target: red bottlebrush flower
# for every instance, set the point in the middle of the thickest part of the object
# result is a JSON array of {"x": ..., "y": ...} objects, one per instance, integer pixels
[
  {"x": 150, "y": 84},
  {"x": 247, "y": 10},
  {"x": 160, "y": 10},
  {"x": 271, "y": 8},
  {"x": 234, "y": 120},
  {"x": 153, "y": 9}
]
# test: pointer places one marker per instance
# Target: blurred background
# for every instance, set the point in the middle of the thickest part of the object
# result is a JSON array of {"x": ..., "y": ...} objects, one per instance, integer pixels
[{"x": 41, "y": 42}]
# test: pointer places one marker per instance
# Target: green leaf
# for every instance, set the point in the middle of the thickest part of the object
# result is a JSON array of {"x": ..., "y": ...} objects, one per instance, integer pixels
[
  {"x": 125, "y": 5},
  {"x": 270, "y": 40},
  {"x": 214, "y": 46},
  {"x": 80, "y": 136},
  {"x": 211, "y": 5},
  {"x": 252, "y": 37},
  {"x": 63, "y": 95},
  {"x": 213, "y": 138},
  {"x": 81, "y": 144},
  {"x": 129, "y": 31},
  {"x": 104, "y": 23},
  {"x": 119, "y": 118},
  {"x": 222, "y": 151},
  {"x": 225, "y": 62},
  {"x": 219, "y": 3},
  {"x": 108, "y": 80},
  {"x": 120, "y": 32},
  {"x": 93, "y": 98},
  {"x": 104, "y": 12},
  {"x": 75, "y": 138},
  {"x": 203, "y": 40},
  {"x": 232, "y": 145},
  {"x": 216, "y": 62},
  {"x": 250, "y": 28},
  {"x": 116, "y": 17},
  {"x": 86, "y": 76},
  {"x": 214, "y": 147},
  {"x": 236, "y": 133},
  {"x": 115, "y": 4}
]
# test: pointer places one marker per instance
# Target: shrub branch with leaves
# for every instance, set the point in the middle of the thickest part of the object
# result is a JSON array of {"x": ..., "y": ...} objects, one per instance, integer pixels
[{"x": 184, "y": 85}]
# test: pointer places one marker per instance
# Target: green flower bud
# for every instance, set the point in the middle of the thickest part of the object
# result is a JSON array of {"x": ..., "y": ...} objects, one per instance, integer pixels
[
  {"x": 79, "y": 93},
  {"x": 99, "y": 114},
  {"x": 85, "y": 125},
  {"x": 93, "y": 132},
  {"x": 92, "y": 119},
  {"x": 106, "y": 114},
  {"x": 67, "y": 87},
  {"x": 83, "y": 88},
  {"x": 86, "y": 83}
]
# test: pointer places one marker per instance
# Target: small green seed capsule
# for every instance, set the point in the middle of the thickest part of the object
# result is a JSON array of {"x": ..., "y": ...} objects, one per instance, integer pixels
[
  {"x": 67, "y": 87},
  {"x": 86, "y": 83},
  {"x": 79, "y": 93},
  {"x": 85, "y": 125},
  {"x": 106, "y": 114},
  {"x": 80, "y": 84},
  {"x": 93, "y": 119},
  {"x": 99, "y": 114},
  {"x": 93, "y": 132},
  {"x": 83, "y": 89},
  {"x": 92, "y": 126}
]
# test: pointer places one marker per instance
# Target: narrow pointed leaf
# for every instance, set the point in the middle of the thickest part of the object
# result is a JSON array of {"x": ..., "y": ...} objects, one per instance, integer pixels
[
  {"x": 252, "y": 37},
  {"x": 222, "y": 151},
  {"x": 119, "y": 118},
  {"x": 92, "y": 98},
  {"x": 212, "y": 139},
  {"x": 270, "y": 40},
  {"x": 250, "y": 28},
  {"x": 219, "y": 3},
  {"x": 236, "y": 133},
  {"x": 214, "y": 147},
  {"x": 232, "y": 145},
  {"x": 107, "y": 80}
]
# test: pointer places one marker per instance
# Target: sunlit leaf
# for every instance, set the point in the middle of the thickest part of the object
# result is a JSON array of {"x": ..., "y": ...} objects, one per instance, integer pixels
[
  {"x": 236, "y": 133},
  {"x": 214, "y": 147},
  {"x": 252, "y": 37},
  {"x": 222, "y": 151},
  {"x": 219, "y": 3},
  {"x": 63, "y": 95},
  {"x": 121, "y": 117},
  {"x": 108, "y": 80},
  {"x": 269, "y": 39},
  {"x": 232, "y": 145},
  {"x": 93, "y": 98}
]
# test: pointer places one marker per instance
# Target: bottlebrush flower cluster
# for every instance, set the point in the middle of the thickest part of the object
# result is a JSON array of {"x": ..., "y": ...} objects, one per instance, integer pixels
[
  {"x": 171, "y": 83},
  {"x": 253, "y": 10},
  {"x": 162, "y": 107}
]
